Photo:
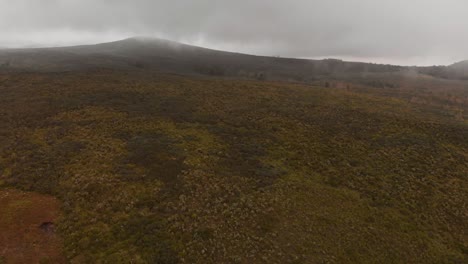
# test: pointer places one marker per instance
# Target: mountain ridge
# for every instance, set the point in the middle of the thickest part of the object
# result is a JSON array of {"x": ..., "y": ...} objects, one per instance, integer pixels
[{"x": 171, "y": 56}]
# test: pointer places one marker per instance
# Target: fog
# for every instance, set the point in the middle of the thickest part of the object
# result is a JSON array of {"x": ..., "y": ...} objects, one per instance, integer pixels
[{"x": 417, "y": 32}]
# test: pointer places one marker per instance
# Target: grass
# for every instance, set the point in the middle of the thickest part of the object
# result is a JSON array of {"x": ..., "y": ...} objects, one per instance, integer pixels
[{"x": 171, "y": 169}]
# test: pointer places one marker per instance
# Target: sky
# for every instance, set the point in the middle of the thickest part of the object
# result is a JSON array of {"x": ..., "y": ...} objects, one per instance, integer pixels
[{"x": 405, "y": 32}]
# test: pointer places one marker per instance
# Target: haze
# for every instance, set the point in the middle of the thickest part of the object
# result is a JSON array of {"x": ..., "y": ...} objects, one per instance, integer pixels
[{"x": 418, "y": 32}]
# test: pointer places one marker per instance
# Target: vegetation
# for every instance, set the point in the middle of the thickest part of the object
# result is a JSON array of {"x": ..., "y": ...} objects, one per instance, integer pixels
[{"x": 154, "y": 168}]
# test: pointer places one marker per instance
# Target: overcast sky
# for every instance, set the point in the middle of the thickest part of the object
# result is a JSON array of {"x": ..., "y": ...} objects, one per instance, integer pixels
[{"x": 408, "y": 32}]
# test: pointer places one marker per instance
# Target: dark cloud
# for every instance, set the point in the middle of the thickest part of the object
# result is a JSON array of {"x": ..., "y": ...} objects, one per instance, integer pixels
[{"x": 397, "y": 31}]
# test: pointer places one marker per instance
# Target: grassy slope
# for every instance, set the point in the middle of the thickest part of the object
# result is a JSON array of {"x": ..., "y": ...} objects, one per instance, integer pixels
[{"x": 161, "y": 168}]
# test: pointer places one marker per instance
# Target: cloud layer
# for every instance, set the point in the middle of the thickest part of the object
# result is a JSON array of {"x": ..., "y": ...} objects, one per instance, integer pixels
[{"x": 397, "y": 31}]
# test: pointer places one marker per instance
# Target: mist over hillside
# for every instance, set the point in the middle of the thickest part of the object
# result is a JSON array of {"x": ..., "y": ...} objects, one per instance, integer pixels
[
  {"x": 148, "y": 54},
  {"x": 157, "y": 54}
]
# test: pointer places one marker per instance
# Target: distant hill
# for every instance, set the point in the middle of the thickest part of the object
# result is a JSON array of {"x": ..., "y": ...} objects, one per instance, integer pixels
[
  {"x": 460, "y": 69},
  {"x": 169, "y": 56},
  {"x": 157, "y": 54},
  {"x": 457, "y": 70}
]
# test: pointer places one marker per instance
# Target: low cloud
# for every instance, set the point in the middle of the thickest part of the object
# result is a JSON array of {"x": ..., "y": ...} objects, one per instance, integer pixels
[{"x": 404, "y": 32}]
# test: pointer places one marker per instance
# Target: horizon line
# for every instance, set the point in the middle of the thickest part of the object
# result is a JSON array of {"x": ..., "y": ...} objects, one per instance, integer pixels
[{"x": 344, "y": 58}]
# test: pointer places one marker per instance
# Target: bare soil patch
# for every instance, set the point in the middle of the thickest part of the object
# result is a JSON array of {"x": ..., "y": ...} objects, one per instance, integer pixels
[{"x": 27, "y": 228}]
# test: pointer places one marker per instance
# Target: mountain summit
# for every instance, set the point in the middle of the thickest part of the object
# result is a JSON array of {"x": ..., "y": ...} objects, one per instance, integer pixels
[{"x": 143, "y": 53}]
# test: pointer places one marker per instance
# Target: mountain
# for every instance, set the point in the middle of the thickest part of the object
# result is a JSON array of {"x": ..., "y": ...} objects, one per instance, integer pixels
[
  {"x": 164, "y": 55},
  {"x": 153, "y": 54},
  {"x": 458, "y": 71}
]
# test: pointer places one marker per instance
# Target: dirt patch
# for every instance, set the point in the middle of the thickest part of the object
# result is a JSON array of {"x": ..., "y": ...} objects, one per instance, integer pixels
[{"x": 27, "y": 228}]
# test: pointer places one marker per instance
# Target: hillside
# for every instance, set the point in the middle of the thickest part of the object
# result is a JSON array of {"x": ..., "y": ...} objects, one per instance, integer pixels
[
  {"x": 457, "y": 71},
  {"x": 152, "y": 151},
  {"x": 164, "y": 168},
  {"x": 167, "y": 56},
  {"x": 150, "y": 54}
]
